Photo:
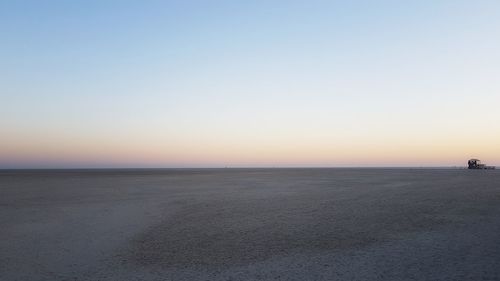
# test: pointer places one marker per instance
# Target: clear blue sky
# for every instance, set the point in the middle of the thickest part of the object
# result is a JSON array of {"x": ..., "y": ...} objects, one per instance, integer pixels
[{"x": 248, "y": 83}]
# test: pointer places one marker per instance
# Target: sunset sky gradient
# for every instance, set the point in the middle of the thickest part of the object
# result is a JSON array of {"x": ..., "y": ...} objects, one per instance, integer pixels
[{"x": 249, "y": 83}]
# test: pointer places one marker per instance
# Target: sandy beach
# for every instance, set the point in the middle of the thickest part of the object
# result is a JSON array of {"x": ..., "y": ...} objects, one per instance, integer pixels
[{"x": 250, "y": 224}]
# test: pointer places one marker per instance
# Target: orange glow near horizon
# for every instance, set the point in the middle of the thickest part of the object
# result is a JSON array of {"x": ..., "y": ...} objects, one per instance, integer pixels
[{"x": 271, "y": 152}]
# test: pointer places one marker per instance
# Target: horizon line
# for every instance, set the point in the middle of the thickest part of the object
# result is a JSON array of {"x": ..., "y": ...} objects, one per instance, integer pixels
[{"x": 236, "y": 168}]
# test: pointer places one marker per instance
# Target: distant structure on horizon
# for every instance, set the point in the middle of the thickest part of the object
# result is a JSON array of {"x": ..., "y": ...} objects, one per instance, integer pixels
[{"x": 475, "y": 164}]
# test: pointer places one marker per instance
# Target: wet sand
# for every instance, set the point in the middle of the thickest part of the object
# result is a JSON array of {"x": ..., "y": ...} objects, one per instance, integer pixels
[{"x": 250, "y": 224}]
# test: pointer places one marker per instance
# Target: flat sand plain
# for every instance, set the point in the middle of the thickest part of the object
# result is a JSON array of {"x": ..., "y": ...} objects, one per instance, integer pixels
[{"x": 250, "y": 224}]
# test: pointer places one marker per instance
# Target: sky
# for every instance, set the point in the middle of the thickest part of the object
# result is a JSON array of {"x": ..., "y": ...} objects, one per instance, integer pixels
[{"x": 103, "y": 83}]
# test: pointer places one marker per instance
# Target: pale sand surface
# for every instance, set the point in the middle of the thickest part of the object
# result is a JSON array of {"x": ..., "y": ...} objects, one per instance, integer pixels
[{"x": 250, "y": 224}]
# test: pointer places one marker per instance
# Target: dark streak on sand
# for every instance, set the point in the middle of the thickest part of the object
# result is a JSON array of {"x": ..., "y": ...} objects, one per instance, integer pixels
[{"x": 250, "y": 224}]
